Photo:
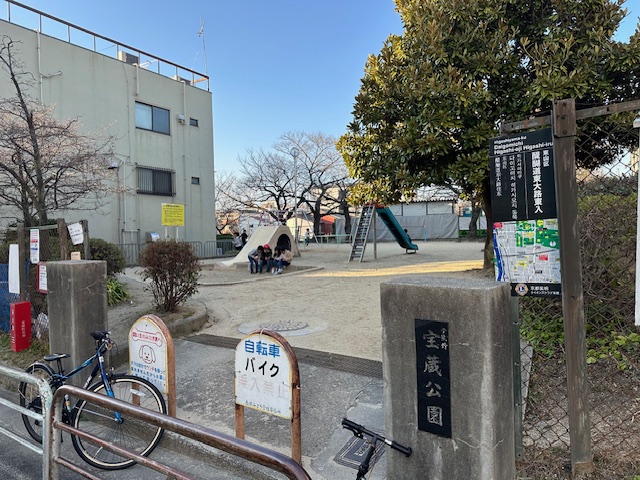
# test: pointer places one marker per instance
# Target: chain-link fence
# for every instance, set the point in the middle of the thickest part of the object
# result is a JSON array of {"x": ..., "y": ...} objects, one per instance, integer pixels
[
  {"x": 49, "y": 250},
  {"x": 607, "y": 181},
  {"x": 36, "y": 245}
]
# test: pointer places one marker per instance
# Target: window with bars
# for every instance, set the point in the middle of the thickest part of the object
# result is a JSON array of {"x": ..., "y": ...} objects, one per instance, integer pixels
[{"x": 155, "y": 181}]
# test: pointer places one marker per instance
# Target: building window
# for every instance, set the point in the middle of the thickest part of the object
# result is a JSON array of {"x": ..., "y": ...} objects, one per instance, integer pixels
[
  {"x": 155, "y": 181},
  {"x": 195, "y": 180},
  {"x": 152, "y": 118},
  {"x": 193, "y": 122}
]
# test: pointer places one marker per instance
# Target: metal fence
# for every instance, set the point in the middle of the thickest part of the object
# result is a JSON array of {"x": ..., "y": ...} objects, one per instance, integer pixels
[
  {"x": 606, "y": 158},
  {"x": 47, "y": 399},
  {"x": 28, "y": 17},
  {"x": 37, "y": 245},
  {"x": 50, "y": 245},
  {"x": 208, "y": 249},
  {"x": 270, "y": 459}
]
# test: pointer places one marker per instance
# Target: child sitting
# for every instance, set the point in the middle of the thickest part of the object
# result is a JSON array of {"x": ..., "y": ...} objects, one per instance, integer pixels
[{"x": 282, "y": 259}]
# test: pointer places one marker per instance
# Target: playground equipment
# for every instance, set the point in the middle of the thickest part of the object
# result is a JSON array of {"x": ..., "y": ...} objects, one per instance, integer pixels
[
  {"x": 364, "y": 224},
  {"x": 275, "y": 236}
]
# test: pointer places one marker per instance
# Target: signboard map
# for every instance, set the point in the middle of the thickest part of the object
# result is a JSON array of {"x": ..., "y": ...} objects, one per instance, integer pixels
[
  {"x": 525, "y": 229},
  {"x": 527, "y": 255}
]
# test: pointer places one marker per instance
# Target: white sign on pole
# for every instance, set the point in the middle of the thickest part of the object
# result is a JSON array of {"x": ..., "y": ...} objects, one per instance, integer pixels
[
  {"x": 263, "y": 379},
  {"x": 14, "y": 269},
  {"x": 76, "y": 233},
  {"x": 34, "y": 245},
  {"x": 42, "y": 278},
  {"x": 148, "y": 353}
]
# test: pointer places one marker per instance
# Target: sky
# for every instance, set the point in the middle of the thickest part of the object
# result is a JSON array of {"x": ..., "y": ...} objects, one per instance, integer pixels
[{"x": 275, "y": 66}]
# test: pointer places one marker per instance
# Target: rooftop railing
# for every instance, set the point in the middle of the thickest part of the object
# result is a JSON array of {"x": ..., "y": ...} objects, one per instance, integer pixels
[{"x": 28, "y": 17}]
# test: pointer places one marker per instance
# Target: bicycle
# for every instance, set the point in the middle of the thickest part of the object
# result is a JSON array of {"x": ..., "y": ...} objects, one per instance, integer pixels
[
  {"x": 360, "y": 431},
  {"x": 128, "y": 433}
]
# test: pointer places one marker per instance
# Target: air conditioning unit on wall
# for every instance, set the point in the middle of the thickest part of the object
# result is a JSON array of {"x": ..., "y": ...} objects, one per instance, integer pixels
[
  {"x": 180, "y": 79},
  {"x": 128, "y": 58}
]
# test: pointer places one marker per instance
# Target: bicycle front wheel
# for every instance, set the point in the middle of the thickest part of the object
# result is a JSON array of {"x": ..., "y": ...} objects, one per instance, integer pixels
[
  {"x": 126, "y": 432},
  {"x": 31, "y": 400}
]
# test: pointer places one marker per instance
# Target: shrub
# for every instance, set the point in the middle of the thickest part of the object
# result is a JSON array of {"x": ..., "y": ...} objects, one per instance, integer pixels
[
  {"x": 173, "y": 269},
  {"x": 480, "y": 233},
  {"x": 109, "y": 252},
  {"x": 116, "y": 291},
  {"x": 607, "y": 245}
]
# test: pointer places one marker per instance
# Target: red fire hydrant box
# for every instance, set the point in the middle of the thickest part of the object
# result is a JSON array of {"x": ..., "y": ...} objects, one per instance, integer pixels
[{"x": 20, "y": 327}]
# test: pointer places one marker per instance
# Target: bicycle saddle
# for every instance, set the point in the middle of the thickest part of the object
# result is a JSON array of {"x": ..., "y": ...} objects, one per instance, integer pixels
[{"x": 55, "y": 356}]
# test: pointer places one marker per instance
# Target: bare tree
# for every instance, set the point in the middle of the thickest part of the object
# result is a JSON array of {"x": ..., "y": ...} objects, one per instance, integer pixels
[
  {"x": 266, "y": 183},
  {"x": 323, "y": 180},
  {"x": 46, "y": 164},
  {"x": 228, "y": 205},
  {"x": 269, "y": 179}
]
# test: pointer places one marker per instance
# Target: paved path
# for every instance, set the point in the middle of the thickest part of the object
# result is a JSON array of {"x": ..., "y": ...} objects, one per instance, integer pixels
[{"x": 339, "y": 307}]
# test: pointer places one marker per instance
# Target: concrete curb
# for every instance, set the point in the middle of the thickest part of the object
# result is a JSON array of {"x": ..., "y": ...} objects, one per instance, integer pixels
[
  {"x": 234, "y": 464},
  {"x": 178, "y": 328},
  {"x": 259, "y": 277},
  {"x": 187, "y": 446}
]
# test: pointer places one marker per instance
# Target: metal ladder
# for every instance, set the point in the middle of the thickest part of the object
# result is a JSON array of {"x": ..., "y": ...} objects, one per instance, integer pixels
[{"x": 362, "y": 232}]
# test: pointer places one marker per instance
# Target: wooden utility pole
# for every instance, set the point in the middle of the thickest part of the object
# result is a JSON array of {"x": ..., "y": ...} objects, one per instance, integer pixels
[{"x": 564, "y": 133}]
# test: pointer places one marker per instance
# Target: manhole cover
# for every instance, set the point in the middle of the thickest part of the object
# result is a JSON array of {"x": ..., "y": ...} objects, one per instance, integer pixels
[{"x": 283, "y": 326}]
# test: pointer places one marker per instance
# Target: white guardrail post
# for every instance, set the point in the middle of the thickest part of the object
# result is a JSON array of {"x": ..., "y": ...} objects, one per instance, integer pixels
[{"x": 47, "y": 398}]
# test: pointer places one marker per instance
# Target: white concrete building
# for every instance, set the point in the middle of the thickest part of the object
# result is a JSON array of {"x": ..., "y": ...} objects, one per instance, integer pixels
[{"x": 160, "y": 113}]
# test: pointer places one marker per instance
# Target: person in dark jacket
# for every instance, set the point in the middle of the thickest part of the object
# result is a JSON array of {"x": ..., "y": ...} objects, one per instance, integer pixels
[{"x": 255, "y": 257}]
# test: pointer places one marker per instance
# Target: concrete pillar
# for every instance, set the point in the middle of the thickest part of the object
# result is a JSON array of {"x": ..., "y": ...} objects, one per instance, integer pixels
[
  {"x": 77, "y": 306},
  {"x": 448, "y": 378}
]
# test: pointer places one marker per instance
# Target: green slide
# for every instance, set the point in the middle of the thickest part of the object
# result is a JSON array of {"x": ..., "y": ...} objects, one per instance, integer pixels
[{"x": 392, "y": 224}]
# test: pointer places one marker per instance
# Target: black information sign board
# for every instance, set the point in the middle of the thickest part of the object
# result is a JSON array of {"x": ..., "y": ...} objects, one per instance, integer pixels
[
  {"x": 522, "y": 176},
  {"x": 433, "y": 377}
]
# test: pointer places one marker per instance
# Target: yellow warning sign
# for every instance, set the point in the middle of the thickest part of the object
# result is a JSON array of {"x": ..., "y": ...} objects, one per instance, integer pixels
[{"x": 172, "y": 215}]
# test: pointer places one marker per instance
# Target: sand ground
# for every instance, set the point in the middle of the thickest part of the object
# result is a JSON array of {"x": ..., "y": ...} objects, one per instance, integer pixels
[{"x": 333, "y": 308}]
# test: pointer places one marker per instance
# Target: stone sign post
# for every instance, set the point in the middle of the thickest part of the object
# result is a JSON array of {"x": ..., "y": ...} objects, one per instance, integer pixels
[
  {"x": 77, "y": 306},
  {"x": 448, "y": 378}
]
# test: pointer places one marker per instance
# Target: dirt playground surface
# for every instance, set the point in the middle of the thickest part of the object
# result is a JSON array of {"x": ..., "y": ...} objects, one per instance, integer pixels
[{"x": 333, "y": 306}]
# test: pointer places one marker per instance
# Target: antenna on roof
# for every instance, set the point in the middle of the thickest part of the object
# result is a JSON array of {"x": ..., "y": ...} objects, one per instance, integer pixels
[{"x": 204, "y": 48}]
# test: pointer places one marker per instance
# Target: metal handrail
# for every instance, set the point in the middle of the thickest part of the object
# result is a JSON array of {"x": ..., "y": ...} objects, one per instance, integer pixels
[
  {"x": 45, "y": 394},
  {"x": 102, "y": 37},
  {"x": 249, "y": 451}
]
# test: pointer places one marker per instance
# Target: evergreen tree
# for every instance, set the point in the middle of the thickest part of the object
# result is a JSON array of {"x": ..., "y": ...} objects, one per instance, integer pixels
[{"x": 433, "y": 97}]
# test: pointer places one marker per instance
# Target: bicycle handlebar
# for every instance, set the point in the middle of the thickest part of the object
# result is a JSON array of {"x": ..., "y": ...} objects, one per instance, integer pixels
[
  {"x": 359, "y": 430},
  {"x": 102, "y": 338},
  {"x": 100, "y": 335}
]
